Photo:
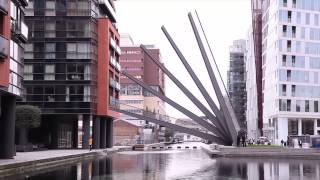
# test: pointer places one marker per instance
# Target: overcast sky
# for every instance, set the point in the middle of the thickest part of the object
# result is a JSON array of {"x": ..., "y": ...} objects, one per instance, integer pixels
[{"x": 223, "y": 21}]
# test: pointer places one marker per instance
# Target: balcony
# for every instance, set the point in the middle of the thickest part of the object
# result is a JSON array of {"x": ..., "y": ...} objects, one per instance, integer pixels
[
  {"x": 118, "y": 50},
  {"x": 113, "y": 61},
  {"x": 20, "y": 30},
  {"x": 117, "y": 86},
  {"x": 115, "y": 46},
  {"x": 106, "y": 8},
  {"x": 4, "y": 48},
  {"x": 112, "y": 83},
  {"x": 118, "y": 67},
  {"x": 4, "y": 6},
  {"x": 114, "y": 102}
]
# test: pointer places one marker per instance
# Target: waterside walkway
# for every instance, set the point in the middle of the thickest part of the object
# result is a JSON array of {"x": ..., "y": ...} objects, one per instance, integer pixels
[
  {"x": 37, "y": 160},
  {"x": 263, "y": 152}
]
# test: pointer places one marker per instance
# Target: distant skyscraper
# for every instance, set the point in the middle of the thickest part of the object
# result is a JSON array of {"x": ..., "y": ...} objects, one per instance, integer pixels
[
  {"x": 236, "y": 81},
  {"x": 291, "y": 68}
]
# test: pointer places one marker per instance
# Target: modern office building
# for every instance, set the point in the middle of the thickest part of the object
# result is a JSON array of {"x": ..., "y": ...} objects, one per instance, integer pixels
[
  {"x": 72, "y": 71},
  {"x": 291, "y": 68},
  {"x": 13, "y": 35},
  {"x": 134, "y": 61},
  {"x": 236, "y": 80}
]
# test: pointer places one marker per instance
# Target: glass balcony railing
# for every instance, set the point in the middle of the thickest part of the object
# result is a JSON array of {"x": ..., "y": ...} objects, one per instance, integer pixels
[
  {"x": 4, "y": 47},
  {"x": 114, "y": 102},
  {"x": 113, "y": 43},
  {"x": 118, "y": 67},
  {"x": 24, "y": 30},
  {"x": 112, "y": 82},
  {"x": 112, "y": 61},
  {"x": 118, "y": 50},
  {"x": 4, "y": 6},
  {"x": 118, "y": 86}
]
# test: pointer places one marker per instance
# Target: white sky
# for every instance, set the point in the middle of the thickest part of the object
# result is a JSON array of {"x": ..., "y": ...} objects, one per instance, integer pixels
[{"x": 223, "y": 22}]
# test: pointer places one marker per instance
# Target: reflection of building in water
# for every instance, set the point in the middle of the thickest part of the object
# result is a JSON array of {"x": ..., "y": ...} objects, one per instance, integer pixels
[{"x": 151, "y": 166}]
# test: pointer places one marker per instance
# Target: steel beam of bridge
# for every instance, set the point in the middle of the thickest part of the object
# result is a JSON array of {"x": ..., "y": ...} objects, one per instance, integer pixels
[{"x": 175, "y": 127}]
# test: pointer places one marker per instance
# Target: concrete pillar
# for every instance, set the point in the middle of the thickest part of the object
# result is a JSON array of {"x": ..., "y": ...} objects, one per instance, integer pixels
[
  {"x": 75, "y": 139},
  {"x": 86, "y": 131},
  {"x": 96, "y": 133},
  {"x": 7, "y": 126},
  {"x": 103, "y": 133},
  {"x": 299, "y": 127},
  {"x": 109, "y": 123}
]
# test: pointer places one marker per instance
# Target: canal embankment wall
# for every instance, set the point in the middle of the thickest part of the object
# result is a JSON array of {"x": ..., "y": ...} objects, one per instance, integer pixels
[
  {"x": 37, "y": 161},
  {"x": 263, "y": 152}
]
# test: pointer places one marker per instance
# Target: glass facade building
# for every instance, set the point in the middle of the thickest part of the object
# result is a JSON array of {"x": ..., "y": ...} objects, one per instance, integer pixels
[
  {"x": 71, "y": 70},
  {"x": 290, "y": 57}
]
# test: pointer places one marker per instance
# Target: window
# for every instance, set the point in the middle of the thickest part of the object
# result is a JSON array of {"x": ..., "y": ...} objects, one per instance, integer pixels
[
  {"x": 307, "y": 18},
  {"x": 285, "y": 3},
  {"x": 50, "y": 51},
  {"x": 293, "y": 90},
  {"x": 288, "y": 75},
  {"x": 298, "y": 17},
  {"x": 86, "y": 94},
  {"x": 298, "y": 105},
  {"x": 50, "y": 8},
  {"x": 284, "y": 60},
  {"x": 306, "y": 106},
  {"x": 316, "y": 106},
  {"x": 292, "y": 127},
  {"x": 28, "y": 70},
  {"x": 316, "y": 19},
  {"x": 293, "y": 58},
  {"x": 49, "y": 72},
  {"x": 294, "y": 31},
  {"x": 307, "y": 127},
  {"x": 50, "y": 30},
  {"x": 294, "y": 3},
  {"x": 289, "y": 45},
  {"x": 289, "y": 16},
  {"x": 303, "y": 32},
  {"x": 284, "y": 30},
  {"x": 288, "y": 105},
  {"x": 284, "y": 90},
  {"x": 282, "y": 105}
]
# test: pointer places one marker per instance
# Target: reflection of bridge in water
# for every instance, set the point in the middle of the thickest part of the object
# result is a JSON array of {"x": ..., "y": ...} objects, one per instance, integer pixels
[{"x": 220, "y": 122}]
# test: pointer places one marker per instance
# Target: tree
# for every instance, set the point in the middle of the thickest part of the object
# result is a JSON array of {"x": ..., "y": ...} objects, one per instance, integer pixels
[{"x": 27, "y": 117}]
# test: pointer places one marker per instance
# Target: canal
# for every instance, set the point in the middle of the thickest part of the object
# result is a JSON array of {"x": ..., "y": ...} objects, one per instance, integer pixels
[{"x": 178, "y": 165}]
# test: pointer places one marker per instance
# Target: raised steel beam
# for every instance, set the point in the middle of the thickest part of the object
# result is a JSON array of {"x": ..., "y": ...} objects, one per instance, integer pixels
[
  {"x": 188, "y": 113},
  {"x": 193, "y": 99},
  {"x": 232, "y": 123},
  {"x": 175, "y": 127},
  {"x": 196, "y": 80}
]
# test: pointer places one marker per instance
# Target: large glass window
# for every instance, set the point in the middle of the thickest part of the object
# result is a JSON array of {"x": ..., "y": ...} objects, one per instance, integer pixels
[
  {"x": 28, "y": 70},
  {"x": 292, "y": 127},
  {"x": 307, "y": 127},
  {"x": 316, "y": 106},
  {"x": 307, "y": 18},
  {"x": 307, "y": 108},
  {"x": 298, "y": 105},
  {"x": 49, "y": 72}
]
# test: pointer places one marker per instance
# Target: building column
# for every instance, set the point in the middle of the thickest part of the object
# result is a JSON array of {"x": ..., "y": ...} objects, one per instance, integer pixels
[
  {"x": 7, "y": 126},
  {"x": 75, "y": 130},
  {"x": 109, "y": 123},
  {"x": 86, "y": 131},
  {"x": 299, "y": 127},
  {"x": 96, "y": 133},
  {"x": 103, "y": 133}
]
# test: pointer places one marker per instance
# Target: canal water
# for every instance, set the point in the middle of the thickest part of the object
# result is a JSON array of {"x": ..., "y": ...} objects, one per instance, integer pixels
[{"x": 192, "y": 164}]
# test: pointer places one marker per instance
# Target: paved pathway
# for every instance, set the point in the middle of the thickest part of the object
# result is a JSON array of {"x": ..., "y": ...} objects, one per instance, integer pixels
[{"x": 40, "y": 155}]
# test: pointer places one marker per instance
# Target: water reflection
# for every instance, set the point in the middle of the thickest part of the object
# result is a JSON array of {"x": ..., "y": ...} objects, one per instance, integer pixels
[{"x": 182, "y": 165}]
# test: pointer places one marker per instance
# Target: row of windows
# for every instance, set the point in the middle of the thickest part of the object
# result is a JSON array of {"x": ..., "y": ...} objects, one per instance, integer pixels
[
  {"x": 293, "y": 61},
  {"x": 300, "y": 105},
  {"x": 299, "y": 91},
  {"x": 52, "y": 93},
  {"x": 131, "y": 101},
  {"x": 65, "y": 72},
  {"x": 299, "y": 47},
  {"x": 136, "y": 111},
  {"x": 313, "y": 5},
  {"x": 299, "y": 17}
]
